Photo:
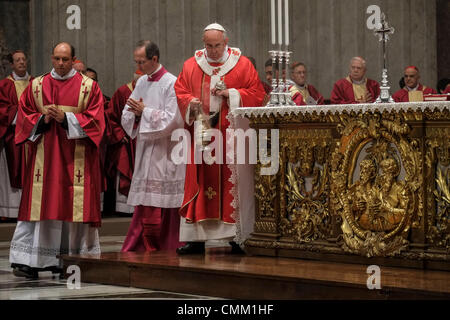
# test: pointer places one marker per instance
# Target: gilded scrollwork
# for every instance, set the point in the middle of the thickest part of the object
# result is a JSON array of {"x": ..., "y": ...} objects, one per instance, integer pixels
[
  {"x": 379, "y": 209},
  {"x": 306, "y": 185},
  {"x": 265, "y": 193}
]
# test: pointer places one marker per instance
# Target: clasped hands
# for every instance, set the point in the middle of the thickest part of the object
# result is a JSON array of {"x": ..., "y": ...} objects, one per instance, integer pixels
[
  {"x": 137, "y": 107},
  {"x": 53, "y": 112}
]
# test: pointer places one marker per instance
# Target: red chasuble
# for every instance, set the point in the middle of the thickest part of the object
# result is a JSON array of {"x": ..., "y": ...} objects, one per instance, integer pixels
[
  {"x": 346, "y": 92},
  {"x": 10, "y": 92},
  {"x": 403, "y": 95},
  {"x": 120, "y": 154},
  {"x": 63, "y": 178},
  {"x": 207, "y": 187}
]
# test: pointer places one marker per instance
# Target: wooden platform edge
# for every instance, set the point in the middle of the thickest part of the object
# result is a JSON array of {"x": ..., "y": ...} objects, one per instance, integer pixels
[{"x": 233, "y": 285}]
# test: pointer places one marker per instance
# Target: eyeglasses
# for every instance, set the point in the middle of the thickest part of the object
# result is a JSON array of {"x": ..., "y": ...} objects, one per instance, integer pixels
[{"x": 141, "y": 62}]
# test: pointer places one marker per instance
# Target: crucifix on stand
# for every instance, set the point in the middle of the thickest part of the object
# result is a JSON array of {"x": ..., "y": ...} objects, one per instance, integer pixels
[{"x": 383, "y": 35}]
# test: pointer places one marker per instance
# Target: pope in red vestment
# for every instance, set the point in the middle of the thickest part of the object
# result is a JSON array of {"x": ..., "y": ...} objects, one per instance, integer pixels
[
  {"x": 63, "y": 179},
  {"x": 355, "y": 88},
  {"x": 413, "y": 91},
  {"x": 207, "y": 187}
]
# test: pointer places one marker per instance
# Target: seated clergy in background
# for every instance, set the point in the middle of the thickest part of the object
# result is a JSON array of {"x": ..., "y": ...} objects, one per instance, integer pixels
[
  {"x": 301, "y": 92},
  {"x": 355, "y": 88},
  {"x": 413, "y": 90}
]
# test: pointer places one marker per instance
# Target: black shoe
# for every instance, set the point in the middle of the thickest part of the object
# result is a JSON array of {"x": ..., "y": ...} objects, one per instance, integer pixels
[
  {"x": 192, "y": 248},
  {"x": 53, "y": 269},
  {"x": 26, "y": 271},
  {"x": 235, "y": 248}
]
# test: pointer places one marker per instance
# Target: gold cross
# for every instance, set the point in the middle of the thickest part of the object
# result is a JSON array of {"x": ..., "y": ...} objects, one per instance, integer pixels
[{"x": 210, "y": 193}]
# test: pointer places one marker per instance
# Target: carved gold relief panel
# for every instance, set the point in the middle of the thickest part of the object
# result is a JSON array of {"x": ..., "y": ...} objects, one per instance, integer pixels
[
  {"x": 438, "y": 187},
  {"x": 376, "y": 177}
]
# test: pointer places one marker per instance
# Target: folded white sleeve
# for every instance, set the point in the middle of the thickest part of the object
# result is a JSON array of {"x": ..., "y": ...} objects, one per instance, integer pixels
[
  {"x": 74, "y": 129},
  {"x": 234, "y": 99}
]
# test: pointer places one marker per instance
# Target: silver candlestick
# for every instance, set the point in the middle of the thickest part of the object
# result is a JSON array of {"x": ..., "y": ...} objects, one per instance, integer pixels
[
  {"x": 273, "y": 96},
  {"x": 383, "y": 36},
  {"x": 281, "y": 84},
  {"x": 287, "y": 93}
]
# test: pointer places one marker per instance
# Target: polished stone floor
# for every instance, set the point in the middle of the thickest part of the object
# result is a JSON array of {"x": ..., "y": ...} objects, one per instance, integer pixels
[{"x": 48, "y": 287}]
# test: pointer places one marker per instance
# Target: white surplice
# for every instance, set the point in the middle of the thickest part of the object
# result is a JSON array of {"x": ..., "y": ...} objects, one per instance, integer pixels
[{"x": 157, "y": 181}]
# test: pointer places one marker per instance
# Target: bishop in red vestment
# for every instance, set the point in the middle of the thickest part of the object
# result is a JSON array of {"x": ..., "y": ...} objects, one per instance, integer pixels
[
  {"x": 355, "y": 88},
  {"x": 413, "y": 90},
  {"x": 11, "y": 88},
  {"x": 207, "y": 207},
  {"x": 61, "y": 119}
]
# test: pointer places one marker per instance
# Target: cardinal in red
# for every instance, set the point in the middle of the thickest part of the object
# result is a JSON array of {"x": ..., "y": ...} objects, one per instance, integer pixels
[
  {"x": 413, "y": 90},
  {"x": 303, "y": 93},
  {"x": 355, "y": 88}
]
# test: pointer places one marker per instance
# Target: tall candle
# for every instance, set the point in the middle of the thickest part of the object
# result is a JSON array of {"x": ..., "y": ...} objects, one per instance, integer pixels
[
  {"x": 286, "y": 22},
  {"x": 272, "y": 13},
  {"x": 280, "y": 29}
]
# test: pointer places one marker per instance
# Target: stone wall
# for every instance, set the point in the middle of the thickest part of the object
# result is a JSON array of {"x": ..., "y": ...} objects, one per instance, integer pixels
[
  {"x": 325, "y": 34},
  {"x": 14, "y": 30}
]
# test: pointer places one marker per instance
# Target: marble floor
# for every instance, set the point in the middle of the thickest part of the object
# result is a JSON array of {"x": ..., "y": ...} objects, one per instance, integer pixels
[{"x": 49, "y": 287}]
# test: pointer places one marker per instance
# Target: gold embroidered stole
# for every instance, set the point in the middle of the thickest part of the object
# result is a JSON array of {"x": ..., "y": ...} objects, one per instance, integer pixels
[
  {"x": 20, "y": 85},
  {"x": 416, "y": 95},
  {"x": 359, "y": 90}
]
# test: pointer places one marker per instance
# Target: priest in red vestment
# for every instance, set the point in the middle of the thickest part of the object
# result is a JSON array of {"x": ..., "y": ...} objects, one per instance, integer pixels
[
  {"x": 61, "y": 120},
  {"x": 207, "y": 211},
  {"x": 355, "y": 88},
  {"x": 413, "y": 90},
  {"x": 303, "y": 93},
  {"x": 121, "y": 148},
  {"x": 11, "y": 156}
]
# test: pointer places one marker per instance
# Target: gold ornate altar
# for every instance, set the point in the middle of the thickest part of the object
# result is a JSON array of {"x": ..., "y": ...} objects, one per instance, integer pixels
[{"x": 363, "y": 183}]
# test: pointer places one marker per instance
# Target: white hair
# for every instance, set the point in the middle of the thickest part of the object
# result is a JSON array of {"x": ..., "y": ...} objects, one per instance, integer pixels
[{"x": 359, "y": 59}]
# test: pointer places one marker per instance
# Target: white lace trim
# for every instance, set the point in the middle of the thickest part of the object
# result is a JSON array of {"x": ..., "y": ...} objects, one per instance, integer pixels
[
  {"x": 157, "y": 187},
  {"x": 338, "y": 109},
  {"x": 234, "y": 191},
  {"x": 28, "y": 248}
]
